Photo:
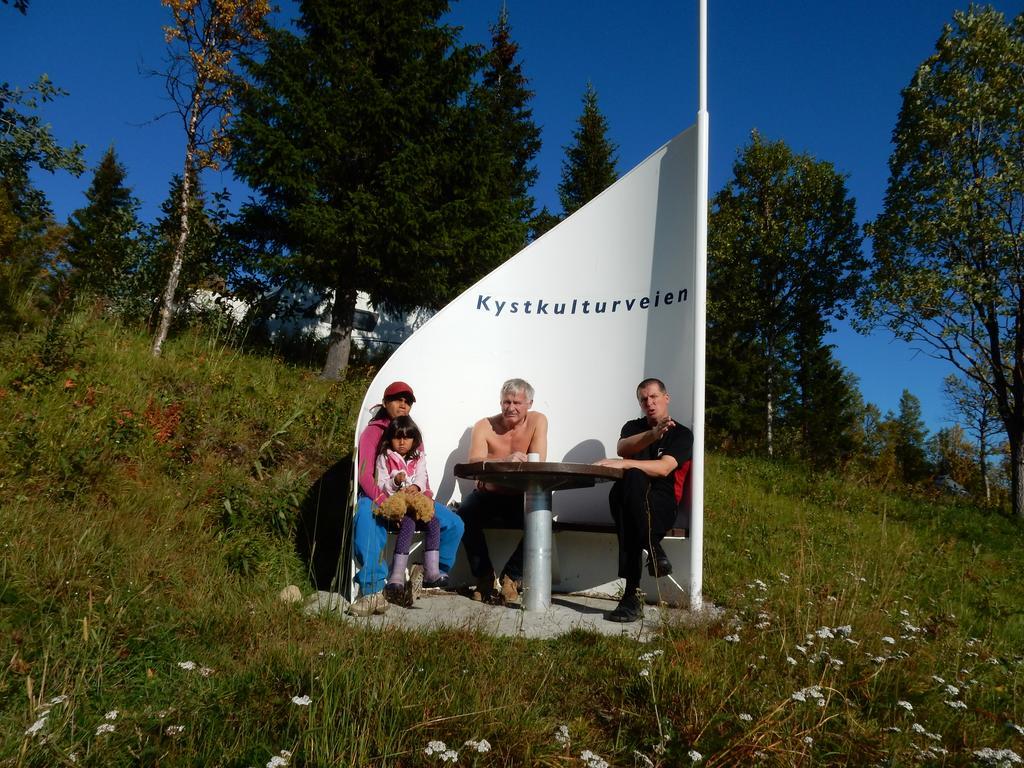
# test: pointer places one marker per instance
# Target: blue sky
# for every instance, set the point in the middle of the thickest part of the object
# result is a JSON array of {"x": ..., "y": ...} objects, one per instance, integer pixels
[{"x": 823, "y": 76}]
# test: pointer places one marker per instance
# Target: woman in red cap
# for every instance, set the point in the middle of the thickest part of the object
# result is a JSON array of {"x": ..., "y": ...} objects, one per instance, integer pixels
[{"x": 369, "y": 533}]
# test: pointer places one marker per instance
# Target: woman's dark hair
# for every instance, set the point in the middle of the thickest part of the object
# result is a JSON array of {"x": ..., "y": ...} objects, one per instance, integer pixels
[{"x": 401, "y": 426}]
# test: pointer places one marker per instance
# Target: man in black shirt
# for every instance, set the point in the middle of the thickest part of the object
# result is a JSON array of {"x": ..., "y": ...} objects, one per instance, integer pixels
[{"x": 656, "y": 454}]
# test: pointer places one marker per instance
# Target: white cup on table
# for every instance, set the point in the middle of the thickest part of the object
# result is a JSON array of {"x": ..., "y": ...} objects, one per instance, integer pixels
[{"x": 533, "y": 457}]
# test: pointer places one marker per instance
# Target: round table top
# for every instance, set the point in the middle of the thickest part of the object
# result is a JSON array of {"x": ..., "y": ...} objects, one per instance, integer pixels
[{"x": 551, "y": 475}]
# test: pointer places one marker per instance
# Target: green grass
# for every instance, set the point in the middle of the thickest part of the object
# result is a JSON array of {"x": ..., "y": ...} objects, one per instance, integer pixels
[{"x": 147, "y": 513}]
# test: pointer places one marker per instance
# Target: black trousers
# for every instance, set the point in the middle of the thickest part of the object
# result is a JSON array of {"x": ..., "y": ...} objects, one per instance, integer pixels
[
  {"x": 482, "y": 508},
  {"x": 642, "y": 515}
]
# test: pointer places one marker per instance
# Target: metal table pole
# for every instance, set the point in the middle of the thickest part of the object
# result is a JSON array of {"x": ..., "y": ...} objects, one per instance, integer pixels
[{"x": 537, "y": 548}]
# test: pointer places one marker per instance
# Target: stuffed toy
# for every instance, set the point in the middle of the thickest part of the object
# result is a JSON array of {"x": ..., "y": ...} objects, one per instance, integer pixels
[{"x": 395, "y": 507}]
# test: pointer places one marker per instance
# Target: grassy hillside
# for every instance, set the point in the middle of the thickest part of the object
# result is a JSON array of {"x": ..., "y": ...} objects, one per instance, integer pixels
[{"x": 148, "y": 513}]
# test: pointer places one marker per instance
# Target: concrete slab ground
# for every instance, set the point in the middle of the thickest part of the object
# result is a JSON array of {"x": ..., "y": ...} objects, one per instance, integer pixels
[{"x": 447, "y": 610}]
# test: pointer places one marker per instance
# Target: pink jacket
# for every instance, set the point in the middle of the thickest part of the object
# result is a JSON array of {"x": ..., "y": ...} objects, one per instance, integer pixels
[
  {"x": 368, "y": 442},
  {"x": 390, "y": 464}
]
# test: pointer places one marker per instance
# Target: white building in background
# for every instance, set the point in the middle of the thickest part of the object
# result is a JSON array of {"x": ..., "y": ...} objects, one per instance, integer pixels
[{"x": 306, "y": 313}]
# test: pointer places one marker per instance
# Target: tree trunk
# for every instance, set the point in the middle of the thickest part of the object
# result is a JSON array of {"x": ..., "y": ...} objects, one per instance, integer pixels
[
  {"x": 1017, "y": 477},
  {"x": 769, "y": 414},
  {"x": 339, "y": 343},
  {"x": 983, "y": 460},
  {"x": 167, "y": 305}
]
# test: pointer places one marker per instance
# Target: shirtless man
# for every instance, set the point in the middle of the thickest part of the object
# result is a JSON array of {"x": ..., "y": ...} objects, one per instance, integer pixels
[{"x": 507, "y": 436}]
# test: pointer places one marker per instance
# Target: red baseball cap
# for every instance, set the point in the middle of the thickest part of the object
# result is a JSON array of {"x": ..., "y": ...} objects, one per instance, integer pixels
[{"x": 397, "y": 388}]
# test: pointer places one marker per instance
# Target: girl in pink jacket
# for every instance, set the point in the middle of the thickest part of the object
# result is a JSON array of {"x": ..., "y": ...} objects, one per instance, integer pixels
[{"x": 402, "y": 468}]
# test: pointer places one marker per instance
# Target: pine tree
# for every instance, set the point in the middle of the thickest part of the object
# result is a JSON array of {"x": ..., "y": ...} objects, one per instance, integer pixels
[
  {"x": 374, "y": 159},
  {"x": 589, "y": 165},
  {"x": 784, "y": 258},
  {"x": 506, "y": 96},
  {"x": 911, "y": 439},
  {"x": 101, "y": 244}
]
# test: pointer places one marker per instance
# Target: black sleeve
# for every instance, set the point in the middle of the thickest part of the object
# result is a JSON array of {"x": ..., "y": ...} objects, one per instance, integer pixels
[
  {"x": 679, "y": 444},
  {"x": 633, "y": 427}
]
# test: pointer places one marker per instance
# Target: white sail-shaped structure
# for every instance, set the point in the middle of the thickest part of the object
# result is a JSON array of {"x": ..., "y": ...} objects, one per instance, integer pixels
[{"x": 605, "y": 299}]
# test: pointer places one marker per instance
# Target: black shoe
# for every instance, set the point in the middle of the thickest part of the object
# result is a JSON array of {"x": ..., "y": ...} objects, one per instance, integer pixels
[
  {"x": 658, "y": 563},
  {"x": 630, "y": 608},
  {"x": 441, "y": 582}
]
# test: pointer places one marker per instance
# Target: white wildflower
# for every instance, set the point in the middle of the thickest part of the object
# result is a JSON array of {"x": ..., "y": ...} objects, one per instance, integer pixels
[
  {"x": 762, "y": 625},
  {"x": 643, "y": 760},
  {"x": 1000, "y": 757},
  {"x": 918, "y": 728},
  {"x": 650, "y": 656},
  {"x": 904, "y": 612},
  {"x": 952, "y": 690},
  {"x": 175, "y": 730},
  {"x": 879, "y": 659},
  {"x": 845, "y": 631},
  {"x": 434, "y": 746},
  {"x": 808, "y": 740},
  {"x": 105, "y": 728},
  {"x": 57, "y": 700},
  {"x": 746, "y": 717},
  {"x": 591, "y": 760},
  {"x": 695, "y": 756},
  {"x": 732, "y": 638},
  {"x": 802, "y": 649},
  {"x": 188, "y": 666},
  {"x": 562, "y": 735},
  {"x": 37, "y": 726},
  {"x": 955, "y": 704},
  {"x": 478, "y": 746},
  {"x": 791, "y": 661},
  {"x": 645, "y": 673},
  {"x": 1017, "y": 728},
  {"x": 206, "y": 671},
  {"x": 938, "y": 680},
  {"x": 906, "y": 705},
  {"x": 888, "y": 640},
  {"x": 111, "y": 715},
  {"x": 892, "y": 729},
  {"x": 813, "y": 692},
  {"x": 280, "y": 760},
  {"x": 449, "y": 756},
  {"x": 301, "y": 701}
]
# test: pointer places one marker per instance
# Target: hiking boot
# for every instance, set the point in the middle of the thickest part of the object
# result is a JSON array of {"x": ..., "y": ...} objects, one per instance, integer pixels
[
  {"x": 368, "y": 605},
  {"x": 630, "y": 608},
  {"x": 509, "y": 589},
  {"x": 658, "y": 563}
]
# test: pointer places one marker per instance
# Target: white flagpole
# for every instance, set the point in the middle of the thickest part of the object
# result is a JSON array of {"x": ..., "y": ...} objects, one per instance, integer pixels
[{"x": 700, "y": 321}]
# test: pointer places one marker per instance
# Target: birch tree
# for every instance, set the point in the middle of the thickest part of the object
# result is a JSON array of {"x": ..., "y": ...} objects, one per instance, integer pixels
[
  {"x": 204, "y": 45},
  {"x": 948, "y": 271}
]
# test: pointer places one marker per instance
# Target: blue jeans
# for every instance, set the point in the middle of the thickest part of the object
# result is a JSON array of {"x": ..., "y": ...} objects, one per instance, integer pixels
[{"x": 370, "y": 536}]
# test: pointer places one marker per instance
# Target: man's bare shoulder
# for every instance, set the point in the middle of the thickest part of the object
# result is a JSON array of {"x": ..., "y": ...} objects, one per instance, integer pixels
[
  {"x": 536, "y": 418},
  {"x": 486, "y": 424}
]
